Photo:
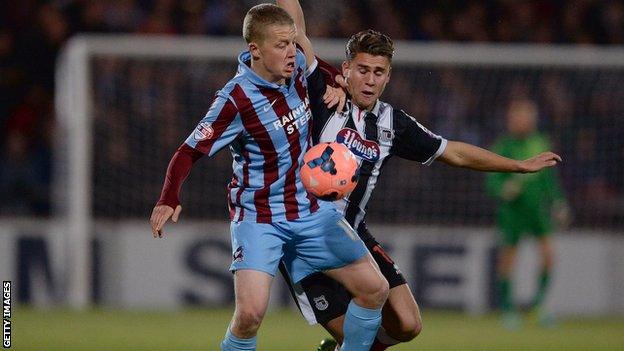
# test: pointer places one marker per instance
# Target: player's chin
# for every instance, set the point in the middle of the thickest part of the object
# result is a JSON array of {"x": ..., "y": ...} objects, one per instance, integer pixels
[
  {"x": 287, "y": 72},
  {"x": 368, "y": 98}
]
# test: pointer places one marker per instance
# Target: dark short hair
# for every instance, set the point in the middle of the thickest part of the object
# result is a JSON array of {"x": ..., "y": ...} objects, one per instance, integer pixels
[
  {"x": 370, "y": 42},
  {"x": 261, "y": 16}
]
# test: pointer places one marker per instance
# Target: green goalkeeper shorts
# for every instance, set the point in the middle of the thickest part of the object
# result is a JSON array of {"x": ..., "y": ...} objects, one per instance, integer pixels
[{"x": 513, "y": 226}]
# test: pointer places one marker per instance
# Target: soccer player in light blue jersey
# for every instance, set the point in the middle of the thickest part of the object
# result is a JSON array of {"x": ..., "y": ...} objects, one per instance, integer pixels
[{"x": 263, "y": 114}]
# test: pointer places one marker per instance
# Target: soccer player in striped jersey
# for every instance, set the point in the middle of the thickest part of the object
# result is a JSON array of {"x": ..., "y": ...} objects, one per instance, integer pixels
[
  {"x": 263, "y": 114},
  {"x": 375, "y": 131}
]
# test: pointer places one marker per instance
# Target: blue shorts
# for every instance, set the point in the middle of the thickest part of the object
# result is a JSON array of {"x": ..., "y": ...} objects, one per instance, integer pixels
[{"x": 318, "y": 242}]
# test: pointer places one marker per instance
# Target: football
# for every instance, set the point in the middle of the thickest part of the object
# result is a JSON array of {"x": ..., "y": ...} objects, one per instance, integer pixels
[{"x": 330, "y": 171}]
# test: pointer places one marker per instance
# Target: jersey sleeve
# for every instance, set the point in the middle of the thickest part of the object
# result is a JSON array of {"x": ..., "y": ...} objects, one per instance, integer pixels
[
  {"x": 177, "y": 171},
  {"x": 329, "y": 72},
  {"x": 320, "y": 113},
  {"x": 412, "y": 141},
  {"x": 321, "y": 75},
  {"x": 300, "y": 62},
  {"x": 221, "y": 125},
  {"x": 216, "y": 130}
]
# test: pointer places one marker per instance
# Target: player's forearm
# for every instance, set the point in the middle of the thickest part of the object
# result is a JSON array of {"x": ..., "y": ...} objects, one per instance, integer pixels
[
  {"x": 464, "y": 155},
  {"x": 329, "y": 72},
  {"x": 296, "y": 12},
  {"x": 177, "y": 171}
]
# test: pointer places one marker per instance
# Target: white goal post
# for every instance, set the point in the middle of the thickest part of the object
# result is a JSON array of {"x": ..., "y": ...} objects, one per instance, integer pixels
[{"x": 73, "y": 200}]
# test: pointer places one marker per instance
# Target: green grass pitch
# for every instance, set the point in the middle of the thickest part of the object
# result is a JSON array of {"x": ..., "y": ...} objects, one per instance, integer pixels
[{"x": 286, "y": 331}]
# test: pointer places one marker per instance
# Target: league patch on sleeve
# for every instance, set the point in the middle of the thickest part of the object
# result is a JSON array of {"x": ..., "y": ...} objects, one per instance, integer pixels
[
  {"x": 203, "y": 131},
  {"x": 386, "y": 135}
]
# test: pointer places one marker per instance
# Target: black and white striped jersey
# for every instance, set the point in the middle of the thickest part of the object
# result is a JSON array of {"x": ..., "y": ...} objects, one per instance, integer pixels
[{"x": 374, "y": 137}]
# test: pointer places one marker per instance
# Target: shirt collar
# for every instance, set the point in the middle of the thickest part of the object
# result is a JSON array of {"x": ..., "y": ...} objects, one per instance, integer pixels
[{"x": 374, "y": 110}]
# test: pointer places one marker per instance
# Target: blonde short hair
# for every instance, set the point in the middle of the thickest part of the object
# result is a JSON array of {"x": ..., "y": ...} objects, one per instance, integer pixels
[{"x": 261, "y": 16}]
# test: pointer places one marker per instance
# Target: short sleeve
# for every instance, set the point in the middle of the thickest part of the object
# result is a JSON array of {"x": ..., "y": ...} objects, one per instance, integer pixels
[
  {"x": 316, "y": 83},
  {"x": 218, "y": 128},
  {"x": 320, "y": 112},
  {"x": 329, "y": 72},
  {"x": 413, "y": 141},
  {"x": 300, "y": 61}
]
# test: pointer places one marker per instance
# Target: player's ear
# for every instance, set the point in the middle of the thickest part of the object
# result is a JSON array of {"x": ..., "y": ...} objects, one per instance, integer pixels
[
  {"x": 346, "y": 69},
  {"x": 254, "y": 50}
]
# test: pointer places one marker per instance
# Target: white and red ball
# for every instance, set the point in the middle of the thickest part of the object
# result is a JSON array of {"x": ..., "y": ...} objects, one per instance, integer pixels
[{"x": 330, "y": 171}]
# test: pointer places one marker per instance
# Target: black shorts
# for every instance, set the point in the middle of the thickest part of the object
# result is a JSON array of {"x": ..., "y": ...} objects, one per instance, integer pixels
[{"x": 321, "y": 299}]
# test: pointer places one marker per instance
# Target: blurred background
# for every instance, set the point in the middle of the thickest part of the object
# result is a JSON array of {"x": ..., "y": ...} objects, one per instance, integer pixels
[
  {"x": 438, "y": 222},
  {"x": 583, "y": 108}
]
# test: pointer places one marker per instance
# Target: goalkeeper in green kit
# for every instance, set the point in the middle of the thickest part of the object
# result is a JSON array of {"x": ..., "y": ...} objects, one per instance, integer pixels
[{"x": 527, "y": 205}]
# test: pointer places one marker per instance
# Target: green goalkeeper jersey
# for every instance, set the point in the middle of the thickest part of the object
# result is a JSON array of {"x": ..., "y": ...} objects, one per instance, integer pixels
[{"x": 528, "y": 209}]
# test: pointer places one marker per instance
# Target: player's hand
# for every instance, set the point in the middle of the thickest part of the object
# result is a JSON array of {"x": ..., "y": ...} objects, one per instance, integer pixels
[
  {"x": 539, "y": 162},
  {"x": 160, "y": 216},
  {"x": 342, "y": 81},
  {"x": 335, "y": 97}
]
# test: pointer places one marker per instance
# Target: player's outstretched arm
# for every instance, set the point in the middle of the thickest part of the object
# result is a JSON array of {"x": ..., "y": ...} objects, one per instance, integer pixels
[
  {"x": 294, "y": 10},
  {"x": 220, "y": 126},
  {"x": 168, "y": 206},
  {"x": 460, "y": 154}
]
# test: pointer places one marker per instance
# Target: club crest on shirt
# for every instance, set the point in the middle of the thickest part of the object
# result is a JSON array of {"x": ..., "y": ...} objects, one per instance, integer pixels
[
  {"x": 362, "y": 148},
  {"x": 321, "y": 303},
  {"x": 203, "y": 131}
]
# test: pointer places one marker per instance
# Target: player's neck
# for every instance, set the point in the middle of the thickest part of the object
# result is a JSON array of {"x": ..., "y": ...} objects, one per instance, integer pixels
[
  {"x": 365, "y": 108},
  {"x": 261, "y": 70}
]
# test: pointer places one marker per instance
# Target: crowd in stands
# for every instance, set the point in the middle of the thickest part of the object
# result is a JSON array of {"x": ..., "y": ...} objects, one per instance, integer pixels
[{"x": 32, "y": 33}]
